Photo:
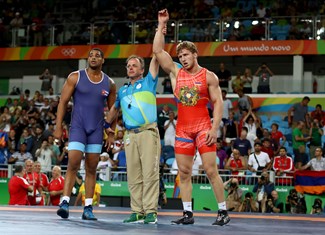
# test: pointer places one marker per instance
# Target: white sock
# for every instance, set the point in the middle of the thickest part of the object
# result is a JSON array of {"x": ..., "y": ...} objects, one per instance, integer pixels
[
  {"x": 187, "y": 206},
  {"x": 222, "y": 206},
  {"x": 67, "y": 198},
  {"x": 88, "y": 202}
]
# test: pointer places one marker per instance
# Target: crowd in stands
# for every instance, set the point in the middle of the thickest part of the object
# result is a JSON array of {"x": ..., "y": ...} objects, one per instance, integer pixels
[
  {"x": 248, "y": 143},
  {"x": 72, "y": 20}
]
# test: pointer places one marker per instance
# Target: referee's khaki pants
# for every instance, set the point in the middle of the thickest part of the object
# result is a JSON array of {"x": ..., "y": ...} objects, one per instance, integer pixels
[{"x": 142, "y": 164}]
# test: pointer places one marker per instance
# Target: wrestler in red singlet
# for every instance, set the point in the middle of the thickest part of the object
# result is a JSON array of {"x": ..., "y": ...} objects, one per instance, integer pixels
[{"x": 193, "y": 117}]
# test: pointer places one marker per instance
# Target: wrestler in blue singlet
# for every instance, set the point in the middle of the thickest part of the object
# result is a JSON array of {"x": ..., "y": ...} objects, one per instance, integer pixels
[{"x": 89, "y": 98}]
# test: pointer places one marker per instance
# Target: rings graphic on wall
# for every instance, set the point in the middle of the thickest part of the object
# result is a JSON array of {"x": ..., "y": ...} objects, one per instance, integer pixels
[{"x": 68, "y": 51}]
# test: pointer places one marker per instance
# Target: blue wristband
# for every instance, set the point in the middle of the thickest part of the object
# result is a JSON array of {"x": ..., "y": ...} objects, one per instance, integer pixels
[{"x": 107, "y": 125}]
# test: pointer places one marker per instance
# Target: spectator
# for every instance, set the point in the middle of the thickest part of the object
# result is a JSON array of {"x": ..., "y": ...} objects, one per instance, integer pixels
[
  {"x": 298, "y": 138},
  {"x": 16, "y": 23},
  {"x": 272, "y": 204},
  {"x": 54, "y": 145},
  {"x": 317, "y": 163},
  {"x": 221, "y": 155},
  {"x": 44, "y": 155},
  {"x": 315, "y": 133},
  {"x": 258, "y": 161},
  {"x": 302, "y": 158},
  {"x": 37, "y": 139},
  {"x": 318, "y": 114},
  {"x": 47, "y": 79},
  {"x": 163, "y": 116},
  {"x": 167, "y": 84},
  {"x": 264, "y": 74},
  {"x": 55, "y": 187},
  {"x": 247, "y": 79},
  {"x": 170, "y": 130},
  {"x": 34, "y": 197},
  {"x": 44, "y": 180},
  {"x": 251, "y": 122},
  {"x": 105, "y": 161},
  {"x": 283, "y": 167},
  {"x": 235, "y": 193},
  {"x": 276, "y": 136},
  {"x": 230, "y": 128},
  {"x": 118, "y": 144},
  {"x": 236, "y": 163},
  {"x": 224, "y": 76},
  {"x": 82, "y": 195},
  {"x": 299, "y": 112},
  {"x": 243, "y": 144},
  {"x": 19, "y": 157},
  {"x": 245, "y": 102},
  {"x": 268, "y": 148},
  {"x": 227, "y": 105},
  {"x": 26, "y": 138},
  {"x": 237, "y": 83},
  {"x": 18, "y": 188},
  {"x": 62, "y": 159}
]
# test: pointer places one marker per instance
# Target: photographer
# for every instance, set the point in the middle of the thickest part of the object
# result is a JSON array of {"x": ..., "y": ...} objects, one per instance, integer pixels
[
  {"x": 233, "y": 200},
  {"x": 296, "y": 203},
  {"x": 272, "y": 204},
  {"x": 263, "y": 188},
  {"x": 248, "y": 204},
  {"x": 317, "y": 207}
]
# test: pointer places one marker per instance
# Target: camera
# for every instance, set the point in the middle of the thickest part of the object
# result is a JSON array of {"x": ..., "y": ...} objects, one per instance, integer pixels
[
  {"x": 233, "y": 185},
  {"x": 262, "y": 177},
  {"x": 317, "y": 204}
]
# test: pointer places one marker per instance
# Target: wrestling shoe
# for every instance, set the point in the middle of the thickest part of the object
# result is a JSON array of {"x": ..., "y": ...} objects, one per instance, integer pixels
[
  {"x": 222, "y": 218},
  {"x": 186, "y": 219},
  {"x": 63, "y": 212},
  {"x": 151, "y": 218},
  {"x": 88, "y": 213},
  {"x": 134, "y": 218}
]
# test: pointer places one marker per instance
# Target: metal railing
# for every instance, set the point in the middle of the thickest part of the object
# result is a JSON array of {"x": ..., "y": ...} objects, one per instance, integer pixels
[{"x": 197, "y": 30}]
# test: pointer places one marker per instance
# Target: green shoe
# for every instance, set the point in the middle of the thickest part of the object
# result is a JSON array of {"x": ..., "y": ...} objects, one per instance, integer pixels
[
  {"x": 151, "y": 218},
  {"x": 134, "y": 219}
]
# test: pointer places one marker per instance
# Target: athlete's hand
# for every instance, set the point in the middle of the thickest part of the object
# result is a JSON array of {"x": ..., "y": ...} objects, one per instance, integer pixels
[
  {"x": 109, "y": 144},
  {"x": 163, "y": 16},
  {"x": 211, "y": 137},
  {"x": 57, "y": 134}
]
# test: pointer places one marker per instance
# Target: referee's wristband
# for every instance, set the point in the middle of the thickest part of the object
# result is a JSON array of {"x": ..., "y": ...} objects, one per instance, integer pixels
[{"x": 107, "y": 125}]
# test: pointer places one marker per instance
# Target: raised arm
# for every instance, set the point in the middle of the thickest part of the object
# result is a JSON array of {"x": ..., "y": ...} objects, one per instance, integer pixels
[{"x": 164, "y": 59}]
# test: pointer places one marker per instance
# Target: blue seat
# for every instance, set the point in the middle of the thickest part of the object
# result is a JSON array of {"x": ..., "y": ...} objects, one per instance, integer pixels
[
  {"x": 276, "y": 118},
  {"x": 264, "y": 118},
  {"x": 167, "y": 152}
]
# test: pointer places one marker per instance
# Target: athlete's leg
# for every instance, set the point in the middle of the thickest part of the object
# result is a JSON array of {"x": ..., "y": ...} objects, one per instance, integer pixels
[
  {"x": 211, "y": 169},
  {"x": 75, "y": 157},
  {"x": 185, "y": 164},
  {"x": 91, "y": 163}
]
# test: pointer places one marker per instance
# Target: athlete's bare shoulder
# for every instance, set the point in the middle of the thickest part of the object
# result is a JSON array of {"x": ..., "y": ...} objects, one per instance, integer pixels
[{"x": 73, "y": 78}]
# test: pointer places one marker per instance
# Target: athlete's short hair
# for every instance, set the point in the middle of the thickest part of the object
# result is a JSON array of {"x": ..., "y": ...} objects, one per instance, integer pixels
[
  {"x": 97, "y": 49},
  {"x": 186, "y": 45}
]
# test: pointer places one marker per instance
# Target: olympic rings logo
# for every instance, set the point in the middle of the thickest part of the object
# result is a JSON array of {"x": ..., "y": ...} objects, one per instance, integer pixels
[{"x": 68, "y": 51}]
